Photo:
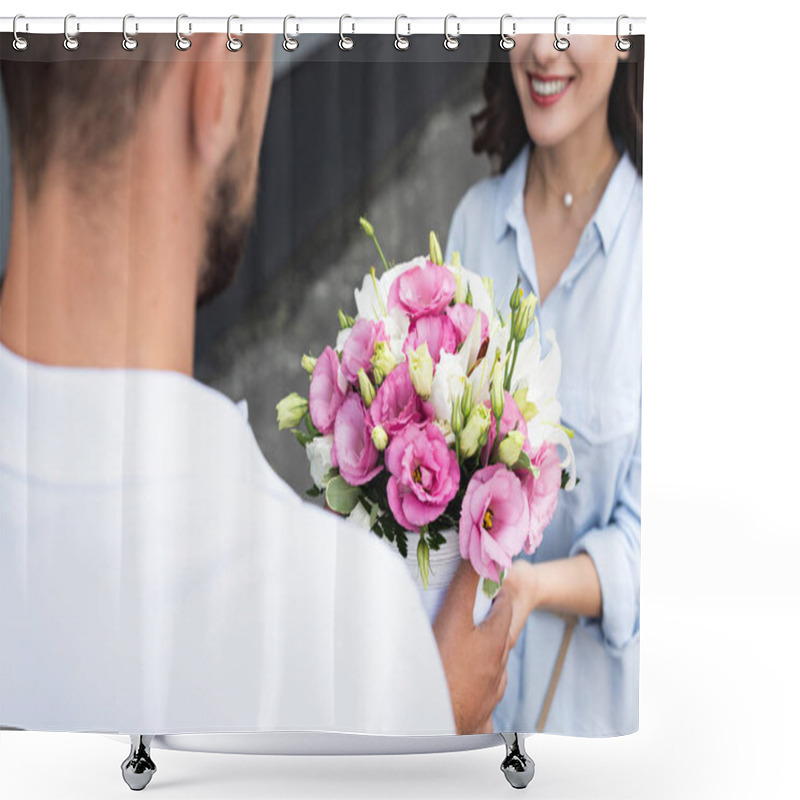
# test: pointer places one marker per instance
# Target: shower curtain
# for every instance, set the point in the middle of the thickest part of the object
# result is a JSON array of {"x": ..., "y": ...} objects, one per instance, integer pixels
[{"x": 321, "y": 383}]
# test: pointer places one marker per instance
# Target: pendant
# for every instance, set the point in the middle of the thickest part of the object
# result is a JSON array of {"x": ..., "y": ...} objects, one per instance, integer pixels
[{"x": 568, "y": 200}]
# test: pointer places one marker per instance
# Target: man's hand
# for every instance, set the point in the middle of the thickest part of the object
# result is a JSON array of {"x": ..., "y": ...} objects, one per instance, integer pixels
[{"x": 474, "y": 658}]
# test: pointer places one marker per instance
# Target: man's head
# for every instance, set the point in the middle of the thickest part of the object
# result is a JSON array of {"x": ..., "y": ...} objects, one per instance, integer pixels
[{"x": 90, "y": 119}]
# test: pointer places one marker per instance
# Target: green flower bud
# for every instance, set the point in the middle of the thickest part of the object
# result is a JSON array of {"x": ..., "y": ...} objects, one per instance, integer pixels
[
  {"x": 467, "y": 400},
  {"x": 511, "y": 447},
  {"x": 380, "y": 438},
  {"x": 365, "y": 387},
  {"x": 383, "y": 362},
  {"x": 436, "y": 250},
  {"x": 497, "y": 394},
  {"x": 366, "y": 226},
  {"x": 516, "y": 296},
  {"x": 420, "y": 367},
  {"x": 457, "y": 419},
  {"x": 308, "y": 363},
  {"x": 473, "y": 436},
  {"x": 456, "y": 262},
  {"x": 523, "y": 317},
  {"x": 291, "y": 411},
  {"x": 345, "y": 320}
]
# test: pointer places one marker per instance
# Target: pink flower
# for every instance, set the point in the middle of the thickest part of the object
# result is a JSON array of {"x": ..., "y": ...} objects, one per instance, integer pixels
[
  {"x": 422, "y": 290},
  {"x": 435, "y": 329},
  {"x": 327, "y": 391},
  {"x": 360, "y": 346},
  {"x": 463, "y": 316},
  {"x": 541, "y": 492},
  {"x": 396, "y": 405},
  {"x": 424, "y": 475},
  {"x": 512, "y": 421},
  {"x": 353, "y": 451},
  {"x": 495, "y": 519}
]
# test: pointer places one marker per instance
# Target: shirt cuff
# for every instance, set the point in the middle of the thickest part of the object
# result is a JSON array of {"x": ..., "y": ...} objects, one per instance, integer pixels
[{"x": 619, "y": 622}]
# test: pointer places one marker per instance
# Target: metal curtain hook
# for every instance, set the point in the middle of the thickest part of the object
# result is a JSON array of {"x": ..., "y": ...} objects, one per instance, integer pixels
[
  {"x": 451, "y": 42},
  {"x": 128, "y": 42},
  {"x": 623, "y": 44},
  {"x": 560, "y": 42},
  {"x": 506, "y": 42},
  {"x": 401, "y": 42},
  {"x": 70, "y": 42},
  {"x": 290, "y": 43},
  {"x": 233, "y": 44},
  {"x": 19, "y": 43},
  {"x": 345, "y": 42},
  {"x": 182, "y": 43}
]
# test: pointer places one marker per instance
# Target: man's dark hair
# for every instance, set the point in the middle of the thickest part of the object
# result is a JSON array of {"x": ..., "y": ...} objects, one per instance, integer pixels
[{"x": 76, "y": 106}]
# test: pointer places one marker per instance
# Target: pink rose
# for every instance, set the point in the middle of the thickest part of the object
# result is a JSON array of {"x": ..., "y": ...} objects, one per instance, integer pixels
[
  {"x": 439, "y": 333},
  {"x": 542, "y": 493},
  {"x": 422, "y": 290},
  {"x": 353, "y": 451},
  {"x": 327, "y": 391},
  {"x": 396, "y": 405},
  {"x": 512, "y": 421},
  {"x": 495, "y": 519},
  {"x": 360, "y": 347},
  {"x": 463, "y": 316},
  {"x": 424, "y": 475}
]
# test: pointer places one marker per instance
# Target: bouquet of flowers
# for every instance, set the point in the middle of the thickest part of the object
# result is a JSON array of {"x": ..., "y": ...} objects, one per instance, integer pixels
[{"x": 435, "y": 417}]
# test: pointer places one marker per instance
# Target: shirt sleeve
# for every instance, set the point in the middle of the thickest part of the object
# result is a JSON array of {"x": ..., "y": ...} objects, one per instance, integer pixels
[{"x": 615, "y": 550}]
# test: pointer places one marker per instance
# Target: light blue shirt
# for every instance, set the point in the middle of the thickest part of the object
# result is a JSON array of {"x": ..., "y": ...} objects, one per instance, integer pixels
[{"x": 596, "y": 312}]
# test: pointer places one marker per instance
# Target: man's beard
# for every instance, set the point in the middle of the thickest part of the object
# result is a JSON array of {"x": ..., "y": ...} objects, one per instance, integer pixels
[{"x": 227, "y": 229}]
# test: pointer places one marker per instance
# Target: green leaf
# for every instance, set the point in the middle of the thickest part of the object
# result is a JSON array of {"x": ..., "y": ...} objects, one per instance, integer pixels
[
  {"x": 524, "y": 462},
  {"x": 340, "y": 496},
  {"x": 565, "y": 479},
  {"x": 302, "y": 438},
  {"x": 315, "y": 491},
  {"x": 402, "y": 544},
  {"x": 373, "y": 515},
  {"x": 490, "y": 588}
]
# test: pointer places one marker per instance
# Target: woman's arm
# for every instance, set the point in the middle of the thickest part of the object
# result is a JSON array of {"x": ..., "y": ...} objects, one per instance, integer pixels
[{"x": 566, "y": 585}]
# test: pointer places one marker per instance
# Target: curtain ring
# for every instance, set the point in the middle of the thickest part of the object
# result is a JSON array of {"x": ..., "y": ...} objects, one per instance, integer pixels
[
  {"x": 290, "y": 43},
  {"x": 128, "y": 42},
  {"x": 20, "y": 43},
  {"x": 451, "y": 42},
  {"x": 345, "y": 42},
  {"x": 233, "y": 44},
  {"x": 182, "y": 43},
  {"x": 560, "y": 43},
  {"x": 623, "y": 44},
  {"x": 70, "y": 42},
  {"x": 401, "y": 42},
  {"x": 506, "y": 42}
]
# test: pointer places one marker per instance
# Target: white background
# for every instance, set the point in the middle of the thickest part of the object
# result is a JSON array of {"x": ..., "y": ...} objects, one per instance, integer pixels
[{"x": 720, "y": 597}]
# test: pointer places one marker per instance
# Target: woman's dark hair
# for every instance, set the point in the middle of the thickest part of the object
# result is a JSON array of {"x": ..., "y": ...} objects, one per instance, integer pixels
[{"x": 499, "y": 127}]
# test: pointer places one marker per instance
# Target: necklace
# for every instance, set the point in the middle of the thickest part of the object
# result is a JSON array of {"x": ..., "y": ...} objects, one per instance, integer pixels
[{"x": 568, "y": 198}]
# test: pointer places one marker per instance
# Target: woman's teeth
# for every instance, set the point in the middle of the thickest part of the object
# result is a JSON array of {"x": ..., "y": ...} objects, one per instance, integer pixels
[{"x": 547, "y": 88}]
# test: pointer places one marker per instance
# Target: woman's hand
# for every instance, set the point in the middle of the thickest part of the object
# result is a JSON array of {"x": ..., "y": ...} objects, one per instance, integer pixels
[{"x": 520, "y": 583}]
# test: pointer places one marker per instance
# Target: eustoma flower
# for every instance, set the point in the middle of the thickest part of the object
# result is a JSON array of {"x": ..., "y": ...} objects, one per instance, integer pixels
[
  {"x": 422, "y": 290},
  {"x": 327, "y": 391},
  {"x": 360, "y": 346},
  {"x": 495, "y": 519},
  {"x": 353, "y": 450},
  {"x": 424, "y": 475},
  {"x": 542, "y": 493},
  {"x": 437, "y": 331},
  {"x": 397, "y": 405},
  {"x": 463, "y": 317}
]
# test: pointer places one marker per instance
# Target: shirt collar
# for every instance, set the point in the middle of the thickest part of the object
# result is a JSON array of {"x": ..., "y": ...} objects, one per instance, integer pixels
[{"x": 509, "y": 211}]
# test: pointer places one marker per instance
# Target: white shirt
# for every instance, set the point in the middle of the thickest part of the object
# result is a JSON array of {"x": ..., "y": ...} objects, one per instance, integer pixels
[{"x": 159, "y": 577}]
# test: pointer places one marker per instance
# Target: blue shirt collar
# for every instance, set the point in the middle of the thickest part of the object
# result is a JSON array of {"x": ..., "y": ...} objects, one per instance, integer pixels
[{"x": 510, "y": 212}]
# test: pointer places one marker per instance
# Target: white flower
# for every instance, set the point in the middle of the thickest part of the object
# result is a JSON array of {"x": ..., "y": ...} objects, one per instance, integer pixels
[
  {"x": 318, "y": 451},
  {"x": 466, "y": 280},
  {"x": 448, "y": 384}
]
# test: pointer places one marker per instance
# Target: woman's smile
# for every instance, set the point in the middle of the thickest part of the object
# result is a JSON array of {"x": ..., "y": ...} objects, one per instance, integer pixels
[{"x": 547, "y": 89}]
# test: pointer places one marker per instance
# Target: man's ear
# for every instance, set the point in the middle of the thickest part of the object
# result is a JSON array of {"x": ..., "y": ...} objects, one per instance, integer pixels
[{"x": 213, "y": 115}]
